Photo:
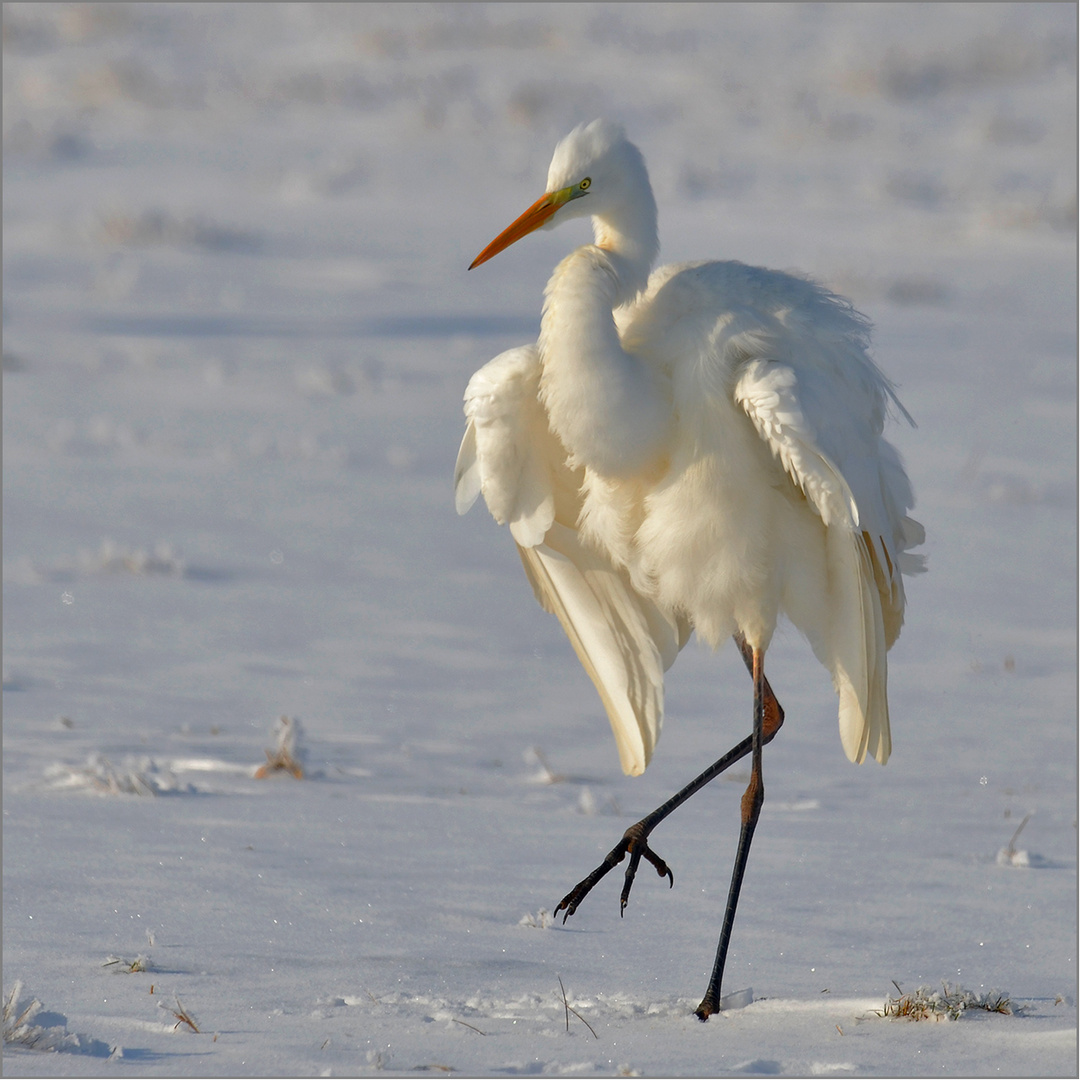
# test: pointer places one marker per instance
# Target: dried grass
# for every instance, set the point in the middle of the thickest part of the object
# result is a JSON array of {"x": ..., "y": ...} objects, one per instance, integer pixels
[{"x": 948, "y": 1003}]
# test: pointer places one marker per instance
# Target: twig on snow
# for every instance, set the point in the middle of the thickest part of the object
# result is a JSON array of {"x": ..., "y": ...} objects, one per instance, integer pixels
[{"x": 570, "y": 1009}]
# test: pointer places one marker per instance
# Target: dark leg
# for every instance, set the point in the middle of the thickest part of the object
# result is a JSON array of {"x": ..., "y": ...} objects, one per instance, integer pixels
[
  {"x": 752, "y": 799},
  {"x": 635, "y": 839}
]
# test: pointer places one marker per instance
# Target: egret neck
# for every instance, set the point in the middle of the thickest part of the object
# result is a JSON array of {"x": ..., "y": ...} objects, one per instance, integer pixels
[{"x": 611, "y": 409}]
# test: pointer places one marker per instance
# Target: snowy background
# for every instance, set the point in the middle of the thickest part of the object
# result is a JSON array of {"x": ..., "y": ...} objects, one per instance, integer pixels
[{"x": 237, "y": 330}]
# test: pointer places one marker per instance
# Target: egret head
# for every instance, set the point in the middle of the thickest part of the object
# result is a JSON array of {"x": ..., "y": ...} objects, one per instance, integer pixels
[
  {"x": 598, "y": 156},
  {"x": 595, "y": 172}
]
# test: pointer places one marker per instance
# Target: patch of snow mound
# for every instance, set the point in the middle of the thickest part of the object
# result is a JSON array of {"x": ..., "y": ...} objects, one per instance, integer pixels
[
  {"x": 738, "y": 999},
  {"x": 21, "y": 1029},
  {"x": 134, "y": 776}
]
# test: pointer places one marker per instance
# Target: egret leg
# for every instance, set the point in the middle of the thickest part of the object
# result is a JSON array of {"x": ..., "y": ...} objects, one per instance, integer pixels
[
  {"x": 635, "y": 839},
  {"x": 752, "y": 799}
]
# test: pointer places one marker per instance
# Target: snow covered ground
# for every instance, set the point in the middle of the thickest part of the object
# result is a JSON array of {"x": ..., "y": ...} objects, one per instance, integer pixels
[{"x": 237, "y": 329}]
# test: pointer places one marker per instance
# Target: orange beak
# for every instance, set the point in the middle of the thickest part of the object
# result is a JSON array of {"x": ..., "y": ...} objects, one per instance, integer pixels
[{"x": 537, "y": 214}]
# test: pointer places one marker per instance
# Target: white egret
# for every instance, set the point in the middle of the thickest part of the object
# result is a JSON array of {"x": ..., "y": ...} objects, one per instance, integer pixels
[{"x": 699, "y": 449}]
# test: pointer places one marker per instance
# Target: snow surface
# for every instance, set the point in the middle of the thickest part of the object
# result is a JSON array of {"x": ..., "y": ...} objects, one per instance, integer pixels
[{"x": 237, "y": 331}]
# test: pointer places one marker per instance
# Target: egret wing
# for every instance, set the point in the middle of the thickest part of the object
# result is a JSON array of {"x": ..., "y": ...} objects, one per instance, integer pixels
[
  {"x": 825, "y": 430},
  {"x": 508, "y": 453},
  {"x": 623, "y": 640}
]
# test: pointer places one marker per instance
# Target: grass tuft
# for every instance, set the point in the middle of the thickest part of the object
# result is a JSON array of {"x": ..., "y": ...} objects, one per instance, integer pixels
[
  {"x": 286, "y": 754},
  {"x": 948, "y": 1003},
  {"x": 129, "y": 967},
  {"x": 20, "y": 1029},
  {"x": 183, "y": 1017}
]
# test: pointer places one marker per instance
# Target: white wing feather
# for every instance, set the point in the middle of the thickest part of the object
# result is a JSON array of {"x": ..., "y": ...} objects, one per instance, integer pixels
[
  {"x": 503, "y": 451},
  {"x": 624, "y": 642},
  {"x": 769, "y": 394},
  {"x": 855, "y": 482}
]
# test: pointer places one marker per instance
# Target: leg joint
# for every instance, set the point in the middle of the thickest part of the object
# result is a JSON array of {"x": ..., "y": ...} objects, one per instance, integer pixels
[
  {"x": 753, "y": 797},
  {"x": 772, "y": 716}
]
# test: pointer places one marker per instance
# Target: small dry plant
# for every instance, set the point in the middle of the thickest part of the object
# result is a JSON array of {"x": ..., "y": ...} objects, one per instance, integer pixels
[
  {"x": 183, "y": 1017},
  {"x": 545, "y": 774},
  {"x": 100, "y": 777},
  {"x": 285, "y": 755},
  {"x": 948, "y": 1003},
  {"x": 1010, "y": 855},
  {"x": 129, "y": 967},
  {"x": 115, "y": 558},
  {"x": 570, "y": 1009},
  {"x": 20, "y": 1029},
  {"x": 471, "y": 1027}
]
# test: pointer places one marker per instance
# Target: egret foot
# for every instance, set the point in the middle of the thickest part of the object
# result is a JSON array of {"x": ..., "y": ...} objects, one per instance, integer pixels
[
  {"x": 706, "y": 1009},
  {"x": 635, "y": 842}
]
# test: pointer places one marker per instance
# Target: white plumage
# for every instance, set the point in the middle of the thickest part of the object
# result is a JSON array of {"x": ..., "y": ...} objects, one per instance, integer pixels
[{"x": 696, "y": 449}]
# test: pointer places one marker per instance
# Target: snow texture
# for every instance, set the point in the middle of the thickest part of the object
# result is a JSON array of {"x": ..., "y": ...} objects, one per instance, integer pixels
[{"x": 237, "y": 332}]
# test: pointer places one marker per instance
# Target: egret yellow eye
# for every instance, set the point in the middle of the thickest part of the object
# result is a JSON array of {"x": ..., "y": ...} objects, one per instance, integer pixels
[{"x": 584, "y": 185}]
